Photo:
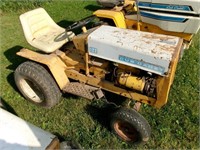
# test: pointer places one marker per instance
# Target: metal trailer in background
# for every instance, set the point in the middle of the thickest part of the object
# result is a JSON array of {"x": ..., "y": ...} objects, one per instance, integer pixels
[
  {"x": 179, "y": 18},
  {"x": 18, "y": 134}
]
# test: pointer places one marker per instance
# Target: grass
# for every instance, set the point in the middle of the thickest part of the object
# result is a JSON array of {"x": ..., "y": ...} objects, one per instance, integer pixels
[{"x": 175, "y": 126}]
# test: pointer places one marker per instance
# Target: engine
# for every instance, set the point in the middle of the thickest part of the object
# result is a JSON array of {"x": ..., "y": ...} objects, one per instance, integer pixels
[
  {"x": 136, "y": 80},
  {"x": 139, "y": 57}
]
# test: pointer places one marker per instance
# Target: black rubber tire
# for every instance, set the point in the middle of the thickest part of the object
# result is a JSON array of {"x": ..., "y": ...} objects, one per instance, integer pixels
[
  {"x": 36, "y": 84},
  {"x": 130, "y": 126}
]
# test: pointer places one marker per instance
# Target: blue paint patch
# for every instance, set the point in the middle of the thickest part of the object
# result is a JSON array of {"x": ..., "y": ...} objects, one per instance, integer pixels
[
  {"x": 93, "y": 50},
  {"x": 144, "y": 4},
  {"x": 165, "y": 18},
  {"x": 142, "y": 64},
  {"x": 172, "y": 7},
  {"x": 165, "y": 6}
]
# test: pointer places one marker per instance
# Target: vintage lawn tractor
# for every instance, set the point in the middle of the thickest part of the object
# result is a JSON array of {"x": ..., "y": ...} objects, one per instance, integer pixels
[
  {"x": 179, "y": 18},
  {"x": 134, "y": 64}
]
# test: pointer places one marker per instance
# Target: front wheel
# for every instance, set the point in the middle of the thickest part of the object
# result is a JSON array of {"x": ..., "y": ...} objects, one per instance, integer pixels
[
  {"x": 130, "y": 126},
  {"x": 36, "y": 84}
]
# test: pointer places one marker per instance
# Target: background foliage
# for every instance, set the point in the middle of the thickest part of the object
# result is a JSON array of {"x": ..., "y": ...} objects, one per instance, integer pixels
[{"x": 15, "y": 5}]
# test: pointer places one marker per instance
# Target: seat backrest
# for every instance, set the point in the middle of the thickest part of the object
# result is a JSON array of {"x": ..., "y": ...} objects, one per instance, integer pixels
[{"x": 34, "y": 21}]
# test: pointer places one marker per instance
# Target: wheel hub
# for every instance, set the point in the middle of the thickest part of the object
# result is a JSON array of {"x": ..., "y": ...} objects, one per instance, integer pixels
[
  {"x": 126, "y": 131},
  {"x": 31, "y": 90}
]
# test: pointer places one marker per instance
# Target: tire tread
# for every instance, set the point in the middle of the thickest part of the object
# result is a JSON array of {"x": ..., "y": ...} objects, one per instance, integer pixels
[
  {"x": 136, "y": 119},
  {"x": 40, "y": 75}
]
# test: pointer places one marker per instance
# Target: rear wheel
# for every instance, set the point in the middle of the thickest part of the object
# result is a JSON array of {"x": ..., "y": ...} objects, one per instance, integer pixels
[
  {"x": 36, "y": 84},
  {"x": 130, "y": 126}
]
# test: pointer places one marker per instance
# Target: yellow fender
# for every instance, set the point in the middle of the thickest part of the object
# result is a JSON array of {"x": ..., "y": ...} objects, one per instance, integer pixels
[
  {"x": 53, "y": 61},
  {"x": 117, "y": 17}
]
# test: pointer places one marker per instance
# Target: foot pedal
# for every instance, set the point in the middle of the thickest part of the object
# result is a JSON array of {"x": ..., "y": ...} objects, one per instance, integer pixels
[{"x": 83, "y": 90}]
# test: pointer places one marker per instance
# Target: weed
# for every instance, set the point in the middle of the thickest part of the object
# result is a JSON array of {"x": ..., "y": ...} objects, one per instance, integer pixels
[{"x": 14, "y": 5}]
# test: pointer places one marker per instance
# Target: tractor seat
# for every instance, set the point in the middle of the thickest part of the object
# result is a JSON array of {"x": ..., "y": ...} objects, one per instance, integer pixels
[{"x": 42, "y": 32}]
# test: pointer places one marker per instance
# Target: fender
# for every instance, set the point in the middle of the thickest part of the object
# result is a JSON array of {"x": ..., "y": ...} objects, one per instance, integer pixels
[
  {"x": 52, "y": 61},
  {"x": 164, "y": 83},
  {"x": 117, "y": 17}
]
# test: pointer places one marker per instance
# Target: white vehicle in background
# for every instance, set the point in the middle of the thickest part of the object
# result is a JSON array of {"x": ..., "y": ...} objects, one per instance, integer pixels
[
  {"x": 179, "y": 18},
  {"x": 18, "y": 134}
]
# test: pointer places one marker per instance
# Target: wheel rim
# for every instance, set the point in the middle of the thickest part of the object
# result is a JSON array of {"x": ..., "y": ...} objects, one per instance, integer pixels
[
  {"x": 126, "y": 131},
  {"x": 31, "y": 90}
]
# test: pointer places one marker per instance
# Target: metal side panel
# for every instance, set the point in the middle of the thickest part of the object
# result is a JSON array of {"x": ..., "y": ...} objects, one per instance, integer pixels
[
  {"x": 180, "y": 6},
  {"x": 16, "y": 133},
  {"x": 172, "y": 15},
  {"x": 172, "y": 22},
  {"x": 143, "y": 50}
]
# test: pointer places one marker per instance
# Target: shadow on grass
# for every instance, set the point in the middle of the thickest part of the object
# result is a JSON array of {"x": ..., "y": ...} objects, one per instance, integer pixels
[
  {"x": 70, "y": 96},
  {"x": 101, "y": 111},
  {"x": 101, "y": 114},
  {"x": 6, "y": 106},
  {"x": 92, "y": 7},
  {"x": 11, "y": 56},
  {"x": 66, "y": 23},
  {"x": 11, "y": 81},
  {"x": 15, "y": 61}
]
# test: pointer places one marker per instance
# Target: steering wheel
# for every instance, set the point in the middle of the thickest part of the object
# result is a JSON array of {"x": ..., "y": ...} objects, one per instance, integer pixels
[{"x": 80, "y": 23}]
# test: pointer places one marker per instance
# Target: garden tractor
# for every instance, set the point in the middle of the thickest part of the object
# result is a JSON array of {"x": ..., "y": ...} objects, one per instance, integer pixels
[
  {"x": 179, "y": 18},
  {"x": 137, "y": 65}
]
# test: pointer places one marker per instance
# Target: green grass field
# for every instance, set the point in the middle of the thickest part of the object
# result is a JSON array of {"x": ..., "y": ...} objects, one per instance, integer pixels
[{"x": 175, "y": 126}]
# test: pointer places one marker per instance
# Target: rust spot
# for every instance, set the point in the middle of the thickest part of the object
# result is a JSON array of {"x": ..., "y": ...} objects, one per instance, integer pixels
[
  {"x": 153, "y": 51},
  {"x": 120, "y": 42},
  {"x": 165, "y": 73},
  {"x": 155, "y": 36},
  {"x": 148, "y": 42}
]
